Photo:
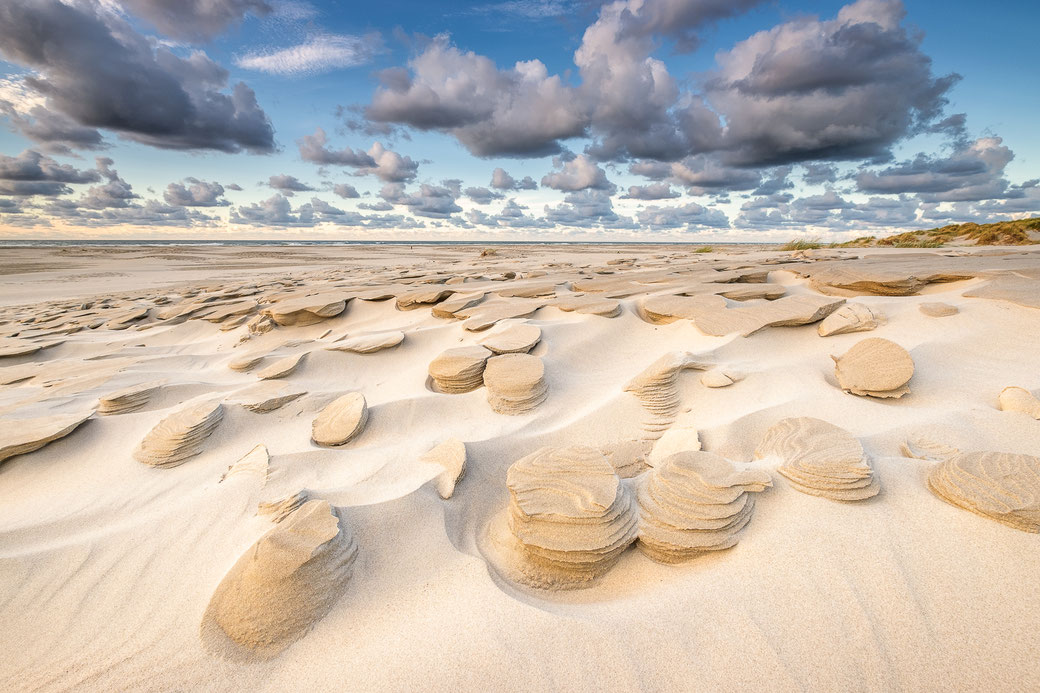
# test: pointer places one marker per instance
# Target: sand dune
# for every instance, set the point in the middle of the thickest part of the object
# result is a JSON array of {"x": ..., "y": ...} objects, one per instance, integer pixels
[{"x": 574, "y": 546}]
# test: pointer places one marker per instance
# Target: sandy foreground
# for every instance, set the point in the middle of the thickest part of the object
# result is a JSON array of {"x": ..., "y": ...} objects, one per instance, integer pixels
[{"x": 109, "y": 565}]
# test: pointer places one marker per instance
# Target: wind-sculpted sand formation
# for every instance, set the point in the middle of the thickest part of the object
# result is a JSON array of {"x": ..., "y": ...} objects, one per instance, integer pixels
[
  {"x": 569, "y": 518},
  {"x": 694, "y": 502},
  {"x": 874, "y": 367},
  {"x": 820, "y": 459},
  {"x": 534, "y": 448},
  {"x": 180, "y": 435},
  {"x": 281, "y": 586},
  {"x": 515, "y": 383},
  {"x": 341, "y": 420},
  {"x": 1002, "y": 486}
]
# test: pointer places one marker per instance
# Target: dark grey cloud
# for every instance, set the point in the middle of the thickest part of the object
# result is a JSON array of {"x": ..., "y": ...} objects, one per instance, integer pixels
[
  {"x": 95, "y": 70},
  {"x": 148, "y": 213},
  {"x": 689, "y": 216},
  {"x": 114, "y": 193},
  {"x": 586, "y": 209},
  {"x": 196, "y": 193},
  {"x": 845, "y": 88},
  {"x": 500, "y": 180},
  {"x": 482, "y": 196},
  {"x": 288, "y": 184},
  {"x": 53, "y": 132},
  {"x": 701, "y": 175},
  {"x": 345, "y": 190},
  {"x": 818, "y": 173},
  {"x": 973, "y": 172},
  {"x": 195, "y": 20},
  {"x": 809, "y": 89},
  {"x": 521, "y": 111},
  {"x": 653, "y": 191},
  {"x": 274, "y": 211},
  {"x": 32, "y": 173},
  {"x": 432, "y": 201},
  {"x": 381, "y": 206},
  {"x": 579, "y": 173},
  {"x": 379, "y": 161}
]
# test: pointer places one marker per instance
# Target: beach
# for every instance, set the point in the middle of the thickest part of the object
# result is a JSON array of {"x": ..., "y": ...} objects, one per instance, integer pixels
[{"x": 133, "y": 555}]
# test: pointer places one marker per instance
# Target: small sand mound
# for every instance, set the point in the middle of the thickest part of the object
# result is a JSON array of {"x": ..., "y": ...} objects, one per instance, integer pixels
[
  {"x": 369, "y": 343},
  {"x": 255, "y": 462},
  {"x": 851, "y": 317},
  {"x": 570, "y": 517},
  {"x": 457, "y": 302},
  {"x": 874, "y": 367},
  {"x": 928, "y": 447},
  {"x": 179, "y": 436},
  {"x": 515, "y": 383},
  {"x": 265, "y": 396},
  {"x": 1002, "y": 486},
  {"x": 682, "y": 436},
  {"x": 16, "y": 347},
  {"x": 694, "y": 502},
  {"x": 341, "y": 420},
  {"x": 1020, "y": 400},
  {"x": 308, "y": 310},
  {"x": 513, "y": 339},
  {"x": 820, "y": 459},
  {"x": 422, "y": 297},
  {"x": 19, "y": 436},
  {"x": 451, "y": 455},
  {"x": 938, "y": 310},
  {"x": 281, "y": 368},
  {"x": 127, "y": 400},
  {"x": 280, "y": 508},
  {"x": 282, "y": 586},
  {"x": 460, "y": 369},
  {"x": 589, "y": 305},
  {"x": 658, "y": 391}
]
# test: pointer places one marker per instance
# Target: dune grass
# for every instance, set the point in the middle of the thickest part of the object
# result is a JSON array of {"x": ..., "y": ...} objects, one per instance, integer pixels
[
  {"x": 802, "y": 244},
  {"x": 705, "y": 249}
]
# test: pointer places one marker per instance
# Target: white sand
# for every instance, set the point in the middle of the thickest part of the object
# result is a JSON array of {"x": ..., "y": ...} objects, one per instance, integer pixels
[{"x": 107, "y": 565}]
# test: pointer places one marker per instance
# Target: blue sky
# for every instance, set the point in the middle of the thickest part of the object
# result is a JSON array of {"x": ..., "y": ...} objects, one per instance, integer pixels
[{"x": 699, "y": 120}]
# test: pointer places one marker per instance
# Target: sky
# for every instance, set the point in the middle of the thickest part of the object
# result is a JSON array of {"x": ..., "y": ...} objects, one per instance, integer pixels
[{"x": 638, "y": 120}]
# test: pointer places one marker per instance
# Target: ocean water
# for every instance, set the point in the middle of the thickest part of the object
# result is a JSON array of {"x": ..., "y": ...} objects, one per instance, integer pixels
[{"x": 38, "y": 243}]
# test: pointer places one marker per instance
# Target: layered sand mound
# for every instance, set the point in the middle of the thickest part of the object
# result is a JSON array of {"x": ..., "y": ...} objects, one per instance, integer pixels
[
  {"x": 19, "y": 436},
  {"x": 307, "y": 310},
  {"x": 874, "y": 367},
  {"x": 127, "y": 400},
  {"x": 694, "y": 502},
  {"x": 180, "y": 435},
  {"x": 265, "y": 396},
  {"x": 713, "y": 316},
  {"x": 721, "y": 377},
  {"x": 513, "y": 339},
  {"x": 281, "y": 368},
  {"x": 369, "y": 343},
  {"x": 460, "y": 369},
  {"x": 658, "y": 391},
  {"x": 341, "y": 420},
  {"x": 938, "y": 310},
  {"x": 451, "y": 455},
  {"x": 256, "y": 462},
  {"x": 282, "y": 586},
  {"x": 569, "y": 515},
  {"x": 820, "y": 459},
  {"x": 589, "y": 305},
  {"x": 515, "y": 383},
  {"x": 1020, "y": 400},
  {"x": 851, "y": 317},
  {"x": 1002, "y": 486}
]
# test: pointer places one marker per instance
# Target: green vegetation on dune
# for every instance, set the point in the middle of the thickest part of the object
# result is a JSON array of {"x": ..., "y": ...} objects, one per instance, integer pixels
[
  {"x": 808, "y": 244},
  {"x": 998, "y": 233}
]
